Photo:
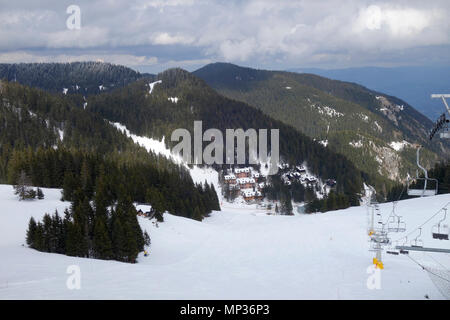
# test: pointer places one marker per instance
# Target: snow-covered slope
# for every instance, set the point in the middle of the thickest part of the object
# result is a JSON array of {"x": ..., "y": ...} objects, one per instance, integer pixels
[
  {"x": 198, "y": 174},
  {"x": 238, "y": 253}
]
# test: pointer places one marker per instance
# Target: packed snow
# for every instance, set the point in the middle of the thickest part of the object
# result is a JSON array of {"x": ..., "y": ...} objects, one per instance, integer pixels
[{"x": 237, "y": 253}]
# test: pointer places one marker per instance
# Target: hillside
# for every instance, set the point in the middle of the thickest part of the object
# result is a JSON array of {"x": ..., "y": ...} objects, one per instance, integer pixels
[
  {"x": 59, "y": 143},
  {"x": 239, "y": 253},
  {"x": 377, "y": 131},
  {"x": 411, "y": 84},
  {"x": 77, "y": 77},
  {"x": 181, "y": 98}
]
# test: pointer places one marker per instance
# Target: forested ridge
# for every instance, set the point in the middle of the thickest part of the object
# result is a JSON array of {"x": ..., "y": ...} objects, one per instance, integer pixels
[
  {"x": 77, "y": 77},
  {"x": 350, "y": 119},
  {"x": 156, "y": 116}
]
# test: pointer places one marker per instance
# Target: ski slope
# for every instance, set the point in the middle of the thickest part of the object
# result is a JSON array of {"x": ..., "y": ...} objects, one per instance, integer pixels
[{"x": 238, "y": 253}]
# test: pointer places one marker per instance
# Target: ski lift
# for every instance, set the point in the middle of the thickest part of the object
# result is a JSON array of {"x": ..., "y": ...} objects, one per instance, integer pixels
[
  {"x": 440, "y": 231},
  {"x": 403, "y": 251},
  {"x": 395, "y": 224},
  {"x": 380, "y": 237},
  {"x": 418, "y": 243},
  {"x": 421, "y": 192},
  {"x": 393, "y": 251}
]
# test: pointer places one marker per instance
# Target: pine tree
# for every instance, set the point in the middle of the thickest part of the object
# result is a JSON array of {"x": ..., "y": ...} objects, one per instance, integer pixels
[
  {"x": 197, "y": 214},
  {"x": 39, "y": 237},
  {"x": 118, "y": 239},
  {"x": 102, "y": 243},
  {"x": 31, "y": 233},
  {"x": 40, "y": 194},
  {"x": 147, "y": 239},
  {"x": 215, "y": 199}
]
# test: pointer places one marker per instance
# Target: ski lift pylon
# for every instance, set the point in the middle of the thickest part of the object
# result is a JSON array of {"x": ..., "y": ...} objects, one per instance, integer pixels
[{"x": 424, "y": 192}]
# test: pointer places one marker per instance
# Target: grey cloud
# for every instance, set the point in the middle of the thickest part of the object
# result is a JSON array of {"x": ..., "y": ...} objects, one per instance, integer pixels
[{"x": 277, "y": 33}]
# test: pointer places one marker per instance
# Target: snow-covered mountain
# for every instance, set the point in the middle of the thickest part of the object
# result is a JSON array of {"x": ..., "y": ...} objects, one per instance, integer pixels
[{"x": 238, "y": 253}]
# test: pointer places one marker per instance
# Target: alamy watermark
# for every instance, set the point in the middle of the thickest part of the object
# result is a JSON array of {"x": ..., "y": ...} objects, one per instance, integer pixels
[
  {"x": 73, "y": 281},
  {"x": 73, "y": 22},
  {"x": 235, "y": 153},
  {"x": 374, "y": 278}
]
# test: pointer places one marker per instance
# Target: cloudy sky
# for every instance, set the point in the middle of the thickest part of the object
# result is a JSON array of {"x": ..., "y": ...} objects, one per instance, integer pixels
[{"x": 152, "y": 35}]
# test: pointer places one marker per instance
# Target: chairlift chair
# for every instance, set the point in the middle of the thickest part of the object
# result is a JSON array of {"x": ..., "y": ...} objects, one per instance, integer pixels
[
  {"x": 380, "y": 237},
  {"x": 396, "y": 225},
  {"x": 422, "y": 192},
  {"x": 417, "y": 243},
  {"x": 445, "y": 134},
  {"x": 393, "y": 252},
  {"x": 403, "y": 251},
  {"x": 440, "y": 231}
]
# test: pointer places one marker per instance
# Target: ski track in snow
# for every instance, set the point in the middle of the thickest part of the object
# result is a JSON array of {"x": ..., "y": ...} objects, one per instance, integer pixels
[{"x": 237, "y": 253}]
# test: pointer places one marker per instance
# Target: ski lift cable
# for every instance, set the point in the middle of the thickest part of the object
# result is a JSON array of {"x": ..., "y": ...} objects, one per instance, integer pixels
[
  {"x": 424, "y": 223},
  {"x": 427, "y": 269},
  {"x": 430, "y": 256}
]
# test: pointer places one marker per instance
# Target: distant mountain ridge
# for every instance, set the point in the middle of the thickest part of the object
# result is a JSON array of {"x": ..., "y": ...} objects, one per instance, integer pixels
[
  {"x": 76, "y": 77},
  {"x": 411, "y": 84}
]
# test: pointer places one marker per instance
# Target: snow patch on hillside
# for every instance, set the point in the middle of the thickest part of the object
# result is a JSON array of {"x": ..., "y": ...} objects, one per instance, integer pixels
[
  {"x": 173, "y": 99},
  {"x": 356, "y": 144},
  {"x": 399, "y": 145},
  {"x": 61, "y": 134},
  {"x": 198, "y": 174},
  {"x": 152, "y": 84},
  {"x": 379, "y": 128},
  {"x": 153, "y": 145},
  {"x": 331, "y": 112}
]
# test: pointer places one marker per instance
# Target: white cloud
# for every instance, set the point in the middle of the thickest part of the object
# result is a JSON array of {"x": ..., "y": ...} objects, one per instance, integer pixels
[{"x": 165, "y": 38}]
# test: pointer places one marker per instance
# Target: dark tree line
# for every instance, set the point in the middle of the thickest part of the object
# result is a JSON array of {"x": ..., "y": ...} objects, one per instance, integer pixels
[
  {"x": 91, "y": 231},
  {"x": 78, "y": 77},
  {"x": 145, "y": 182}
]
